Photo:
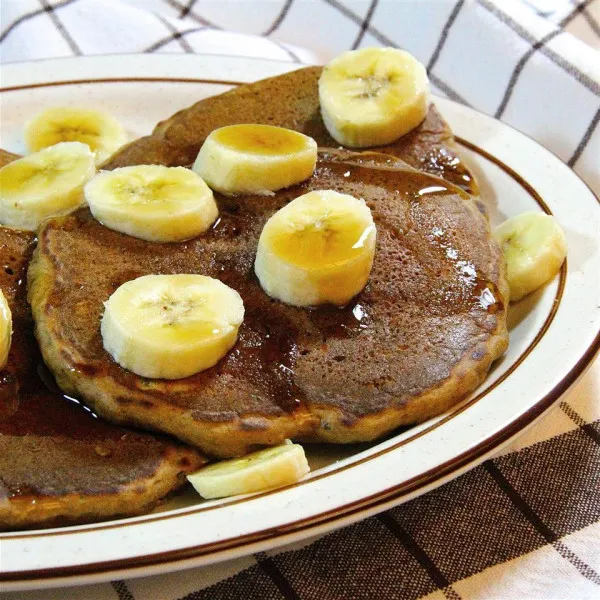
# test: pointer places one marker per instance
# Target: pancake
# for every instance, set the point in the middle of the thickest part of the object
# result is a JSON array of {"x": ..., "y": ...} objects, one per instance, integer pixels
[
  {"x": 290, "y": 100},
  {"x": 59, "y": 463},
  {"x": 417, "y": 339}
]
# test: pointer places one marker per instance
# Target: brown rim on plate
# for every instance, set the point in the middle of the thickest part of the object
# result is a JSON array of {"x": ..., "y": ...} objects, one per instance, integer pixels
[
  {"x": 16, "y": 88},
  {"x": 388, "y": 495}
]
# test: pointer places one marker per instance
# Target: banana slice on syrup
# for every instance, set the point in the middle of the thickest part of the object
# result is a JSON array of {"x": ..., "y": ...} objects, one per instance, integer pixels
[
  {"x": 171, "y": 326},
  {"x": 318, "y": 249},
  {"x": 373, "y": 96},
  {"x": 152, "y": 202},
  {"x": 255, "y": 159}
]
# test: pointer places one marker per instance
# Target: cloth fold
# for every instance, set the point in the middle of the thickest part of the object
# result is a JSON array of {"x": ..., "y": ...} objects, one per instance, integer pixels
[{"x": 524, "y": 525}]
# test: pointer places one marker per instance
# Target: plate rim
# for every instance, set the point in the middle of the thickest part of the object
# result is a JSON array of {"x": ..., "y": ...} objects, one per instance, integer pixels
[{"x": 446, "y": 470}]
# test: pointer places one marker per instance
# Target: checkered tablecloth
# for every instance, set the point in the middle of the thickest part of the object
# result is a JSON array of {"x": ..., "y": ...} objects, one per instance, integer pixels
[{"x": 525, "y": 525}]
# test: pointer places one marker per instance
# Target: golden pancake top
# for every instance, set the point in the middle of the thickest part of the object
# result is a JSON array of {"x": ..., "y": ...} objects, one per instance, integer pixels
[{"x": 434, "y": 308}]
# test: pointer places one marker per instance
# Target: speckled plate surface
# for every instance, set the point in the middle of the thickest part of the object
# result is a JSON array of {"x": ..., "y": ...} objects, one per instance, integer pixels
[{"x": 554, "y": 336}]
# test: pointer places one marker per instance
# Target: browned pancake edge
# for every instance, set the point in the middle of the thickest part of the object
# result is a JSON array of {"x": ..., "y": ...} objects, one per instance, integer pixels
[{"x": 59, "y": 464}]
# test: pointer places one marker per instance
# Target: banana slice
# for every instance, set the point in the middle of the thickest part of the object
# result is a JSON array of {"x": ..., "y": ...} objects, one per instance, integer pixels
[
  {"x": 534, "y": 247},
  {"x": 265, "y": 469},
  {"x": 171, "y": 326},
  {"x": 317, "y": 249},
  {"x": 152, "y": 202},
  {"x": 5, "y": 330},
  {"x": 373, "y": 96},
  {"x": 255, "y": 159},
  {"x": 44, "y": 184},
  {"x": 101, "y": 132}
]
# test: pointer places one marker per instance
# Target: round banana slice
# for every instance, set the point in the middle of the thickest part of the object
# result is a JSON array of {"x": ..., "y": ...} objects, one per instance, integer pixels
[
  {"x": 373, "y": 96},
  {"x": 152, "y": 202},
  {"x": 5, "y": 330},
  {"x": 44, "y": 184},
  {"x": 534, "y": 247},
  {"x": 101, "y": 132},
  {"x": 317, "y": 249},
  {"x": 171, "y": 326},
  {"x": 255, "y": 159},
  {"x": 265, "y": 469}
]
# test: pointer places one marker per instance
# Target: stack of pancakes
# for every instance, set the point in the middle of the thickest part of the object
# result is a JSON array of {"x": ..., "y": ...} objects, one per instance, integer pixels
[{"x": 417, "y": 339}]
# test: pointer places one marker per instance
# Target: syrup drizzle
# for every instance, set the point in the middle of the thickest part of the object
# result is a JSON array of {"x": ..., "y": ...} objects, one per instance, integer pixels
[
  {"x": 268, "y": 345},
  {"x": 31, "y": 404}
]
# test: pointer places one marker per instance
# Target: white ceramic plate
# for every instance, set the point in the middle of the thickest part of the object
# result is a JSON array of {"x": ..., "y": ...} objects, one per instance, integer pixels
[{"x": 554, "y": 336}]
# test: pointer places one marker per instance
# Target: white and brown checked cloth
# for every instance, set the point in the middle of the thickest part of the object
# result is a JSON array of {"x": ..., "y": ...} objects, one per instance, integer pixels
[{"x": 525, "y": 525}]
